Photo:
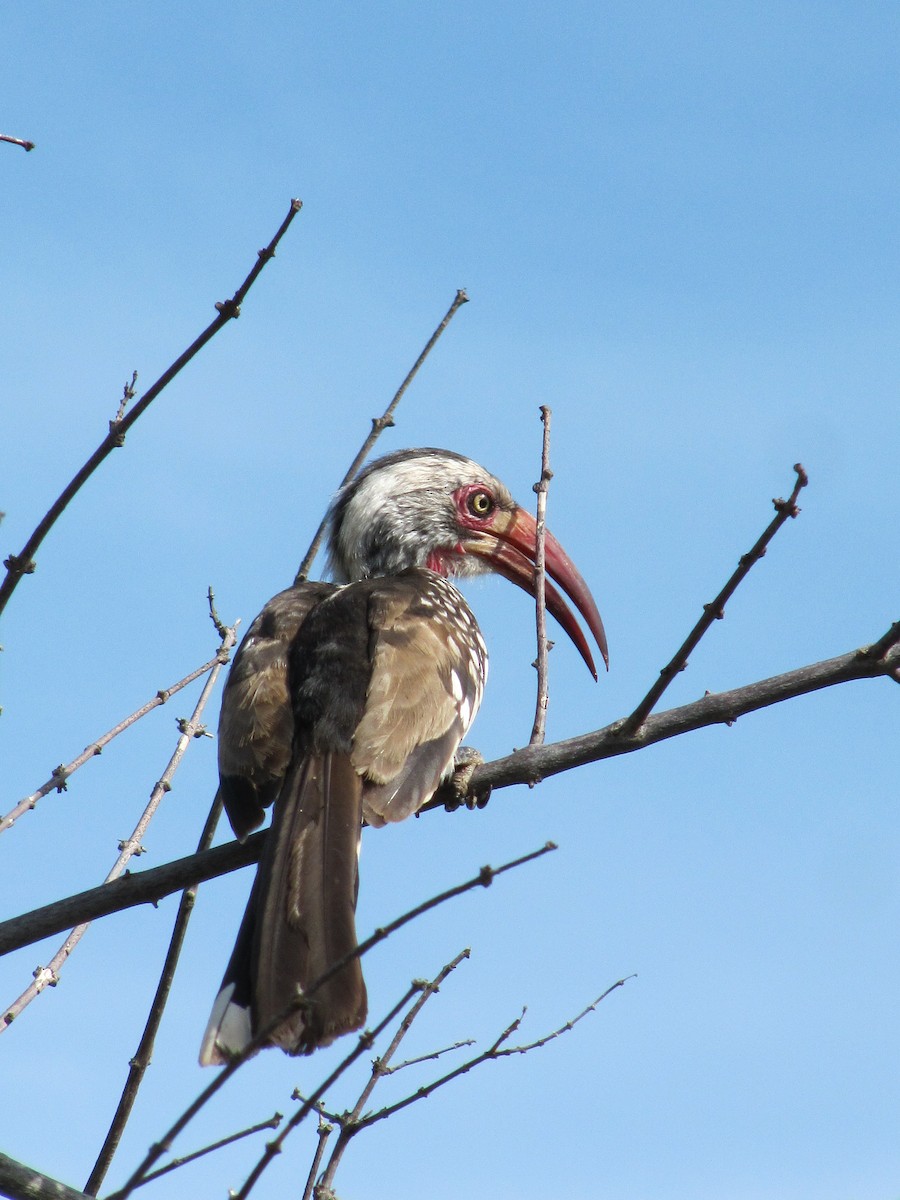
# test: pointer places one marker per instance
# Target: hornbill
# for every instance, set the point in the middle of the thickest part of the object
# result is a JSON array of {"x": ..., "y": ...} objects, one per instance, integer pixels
[{"x": 346, "y": 703}]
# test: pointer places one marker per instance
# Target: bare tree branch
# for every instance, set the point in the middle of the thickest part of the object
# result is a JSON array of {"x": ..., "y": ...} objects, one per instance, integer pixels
[
  {"x": 48, "y": 976},
  {"x": 23, "y": 563},
  {"x": 379, "y": 424},
  {"x": 24, "y": 1183},
  {"x": 495, "y": 1051},
  {"x": 352, "y": 1123},
  {"x": 534, "y": 763},
  {"x": 141, "y": 1059},
  {"x": 526, "y": 766},
  {"x": 716, "y": 610},
  {"x": 273, "y": 1122},
  {"x": 274, "y": 1148},
  {"x": 484, "y": 878},
  {"x": 541, "y": 663},
  {"x": 324, "y": 1131},
  {"x": 23, "y": 142},
  {"x": 60, "y": 775},
  {"x": 138, "y": 887}
]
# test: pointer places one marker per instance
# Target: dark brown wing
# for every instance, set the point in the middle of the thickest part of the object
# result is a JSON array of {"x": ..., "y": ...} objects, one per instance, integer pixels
[{"x": 256, "y": 725}]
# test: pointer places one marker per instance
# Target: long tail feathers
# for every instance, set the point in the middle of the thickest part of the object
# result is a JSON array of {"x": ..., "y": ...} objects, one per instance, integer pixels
[{"x": 299, "y": 921}]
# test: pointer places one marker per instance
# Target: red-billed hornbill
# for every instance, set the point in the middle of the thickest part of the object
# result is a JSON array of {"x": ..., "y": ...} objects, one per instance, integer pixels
[{"x": 346, "y": 703}]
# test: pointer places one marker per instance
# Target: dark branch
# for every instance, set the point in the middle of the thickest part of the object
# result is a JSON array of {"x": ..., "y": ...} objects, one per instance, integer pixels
[
  {"x": 23, "y": 563},
  {"x": 379, "y": 424},
  {"x": 24, "y": 1183},
  {"x": 529, "y": 765},
  {"x": 715, "y": 611},
  {"x": 139, "y": 887},
  {"x": 142, "y": 1057},
  {"x": 23, "y": 142}
]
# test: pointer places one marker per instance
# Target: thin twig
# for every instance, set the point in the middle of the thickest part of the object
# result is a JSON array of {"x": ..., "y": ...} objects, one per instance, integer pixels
[
  {"x": 541, "y": 663},
  {"x": 483, "y": 879},
  {"x": 432, "y": 1057},
  {"x": 139, "y": 1063},
  {"x": 496, "y": 1050},
  {"x": 60, "y": 775},
  {"x": 23, "y": 142},
  {"x": 715, "y": 611},
  {"x": 48, "y": 976},
  {"x": 324, "y": 1132},
  {"x": 273, "y": 1122},
  {"x": 379, "y": 424},
  {"x": 23, "y": 563},
  {"x": 351, "y": 1124},
  {"x": 365, "y": 1042}
]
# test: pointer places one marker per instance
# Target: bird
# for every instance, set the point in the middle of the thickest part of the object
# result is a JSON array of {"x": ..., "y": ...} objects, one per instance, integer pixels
[{"x": 346, "y": 704}]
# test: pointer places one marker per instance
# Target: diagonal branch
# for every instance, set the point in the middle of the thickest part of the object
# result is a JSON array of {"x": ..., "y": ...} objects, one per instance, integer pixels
[
  {"x": 23, "y": 563},
  {"x": 715, "y": 611},
  {"x": 526, "y": 766},
  {"x": 141, "y": 1059},
  {"x": 379, "y": 424},
  {"x": 48, "y": 976},
  {"x": 17, "y": 141},
  {"x": 25, "y": 1183},
  {"x": 380, "y": 1067},
  {"x": 498, "y": 1049},
  {"x": 60, "y": 775},
  {"x": 483, "y": 879}
]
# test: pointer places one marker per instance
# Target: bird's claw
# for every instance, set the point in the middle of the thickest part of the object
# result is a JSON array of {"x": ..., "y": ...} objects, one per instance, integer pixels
[{"x": 457, "y": 790}]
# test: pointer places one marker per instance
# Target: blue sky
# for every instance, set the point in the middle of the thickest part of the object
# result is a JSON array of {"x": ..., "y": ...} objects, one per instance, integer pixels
[{"x": 677, "y": 226}]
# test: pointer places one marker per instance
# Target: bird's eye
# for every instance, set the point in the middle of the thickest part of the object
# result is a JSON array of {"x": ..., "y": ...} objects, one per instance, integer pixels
[{"x": 480, "y": 503}]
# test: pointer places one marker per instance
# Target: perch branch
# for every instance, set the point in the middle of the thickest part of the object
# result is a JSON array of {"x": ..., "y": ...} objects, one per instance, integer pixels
[
  {"x": 526, "y": 766},
  {"x": 379, "y": 424},
  {"x": 23, "y": 563}
]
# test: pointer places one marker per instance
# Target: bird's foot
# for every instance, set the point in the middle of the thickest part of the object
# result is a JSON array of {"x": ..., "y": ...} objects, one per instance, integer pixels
[{"x": 458, "y": 790}]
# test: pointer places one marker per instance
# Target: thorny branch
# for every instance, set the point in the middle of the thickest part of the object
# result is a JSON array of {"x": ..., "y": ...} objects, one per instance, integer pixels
[
  {"x": 140, "y": 1061},
  {"x": 483, "y": 879},
  {"x": 526, "y": 766},
  {"x": 351, "y": 1124},
  {"x": 273, "y": 1122},
  {"x": 541, "y": 663},
  {"x": 495, "y": 1051},
  {"x": 379, "y": 424},
  {"x": 23, "y": 563},
  {"x": 48, "y": 976},
  {"x": 715, "y": 611},
  {"x": 60, "y": 775}
]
